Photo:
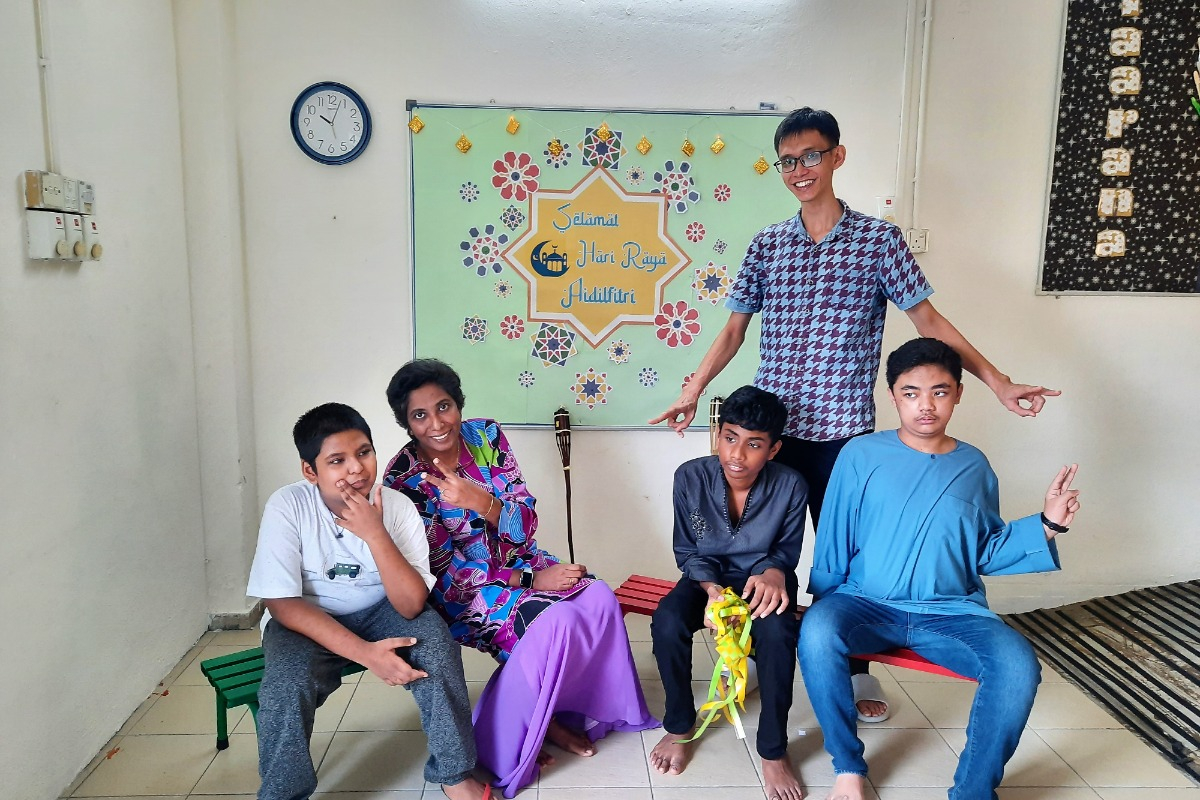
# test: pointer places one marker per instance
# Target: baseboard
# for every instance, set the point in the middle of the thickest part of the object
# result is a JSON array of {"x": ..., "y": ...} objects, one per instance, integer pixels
[{"x": 239, "y": 621}]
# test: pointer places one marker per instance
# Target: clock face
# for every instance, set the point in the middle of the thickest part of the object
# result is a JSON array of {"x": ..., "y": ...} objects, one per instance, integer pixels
[{"x": 331, "y": 123}]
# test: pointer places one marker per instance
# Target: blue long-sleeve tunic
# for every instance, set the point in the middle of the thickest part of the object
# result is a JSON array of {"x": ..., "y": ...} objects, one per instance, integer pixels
[{"x": 916, "y": 531}]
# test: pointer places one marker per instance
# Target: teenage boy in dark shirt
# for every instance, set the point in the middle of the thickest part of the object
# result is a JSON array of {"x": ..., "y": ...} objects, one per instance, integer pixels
[{"x": 739, "y": 522}]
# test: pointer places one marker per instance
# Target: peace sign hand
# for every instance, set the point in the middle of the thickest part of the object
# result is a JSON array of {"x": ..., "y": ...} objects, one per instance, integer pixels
[
  {"x": 1061, "y": 500},
  {"x": 459, "y": 491}
]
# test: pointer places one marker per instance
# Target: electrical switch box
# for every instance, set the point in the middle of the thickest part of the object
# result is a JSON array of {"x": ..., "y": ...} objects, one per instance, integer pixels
[
  {"x": 70, "y": 196},
  {"x": 885, "y": 208},
  {"x": 917, "y": 239},
  {"x": 87, "y": 197},
  {"x": 92, "y": 249},
  {"x": 46, "y": 235},
  {"x": 44, "y": 190},
  {"x": 74, "y": 225}
]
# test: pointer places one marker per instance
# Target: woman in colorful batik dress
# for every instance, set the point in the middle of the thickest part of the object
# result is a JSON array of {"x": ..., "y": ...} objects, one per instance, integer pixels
[{"x": 567, "y": 673}]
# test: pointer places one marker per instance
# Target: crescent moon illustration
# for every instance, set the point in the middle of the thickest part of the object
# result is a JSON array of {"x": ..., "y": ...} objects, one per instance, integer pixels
[{"x": 549, "y": 266}]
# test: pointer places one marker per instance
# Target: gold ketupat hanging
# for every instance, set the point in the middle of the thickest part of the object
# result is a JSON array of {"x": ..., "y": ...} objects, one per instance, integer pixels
[
  {"x": 463, "y": 144},
  {"x": 416, "y": 124},
  {"x": 603, "y": 133},
  {"x": 688, "y": 148},
  {"x": 644, "y": 146},
  {"x": 717, "y": 146},
  {"x": 761, "y": 166},
  {"x": 513, "y": 126}
]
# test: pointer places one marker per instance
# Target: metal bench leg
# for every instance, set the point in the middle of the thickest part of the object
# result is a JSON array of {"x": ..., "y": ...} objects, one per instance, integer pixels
[{"x": 222, "y": 723}]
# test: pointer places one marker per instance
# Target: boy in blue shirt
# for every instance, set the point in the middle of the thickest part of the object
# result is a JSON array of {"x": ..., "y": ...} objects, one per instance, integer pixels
[
  {"x": 342, "y": 565},
  {"x": 911, "y": 522},
  {"x": 739, "y": 522}
]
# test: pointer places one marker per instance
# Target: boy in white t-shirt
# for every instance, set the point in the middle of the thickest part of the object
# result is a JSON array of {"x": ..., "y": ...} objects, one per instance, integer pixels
[{"x": 342, "y": 566}]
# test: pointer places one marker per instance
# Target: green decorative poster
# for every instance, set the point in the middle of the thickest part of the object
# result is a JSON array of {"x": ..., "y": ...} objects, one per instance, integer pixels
[{"x": 581, "y": 258}]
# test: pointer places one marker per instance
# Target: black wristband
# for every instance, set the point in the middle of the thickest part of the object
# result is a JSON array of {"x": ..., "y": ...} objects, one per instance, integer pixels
[
  {"x": 1054, "y": 526},
  {"x": 526, "y": 579}
]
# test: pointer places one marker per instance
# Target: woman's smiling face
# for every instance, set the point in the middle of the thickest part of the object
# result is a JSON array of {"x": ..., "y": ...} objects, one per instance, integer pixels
[{"x": 434, "y": 420}]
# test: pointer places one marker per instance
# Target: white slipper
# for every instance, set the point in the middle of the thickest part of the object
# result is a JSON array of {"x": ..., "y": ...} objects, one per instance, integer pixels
[
  {"x": 751, "y": 676},
  {"x": 866, "y": 687}
]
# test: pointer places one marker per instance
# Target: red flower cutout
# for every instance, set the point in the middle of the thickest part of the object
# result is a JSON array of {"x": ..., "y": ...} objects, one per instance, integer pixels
[
  {"x": 516, "y": 176},
  {"x": 678, "y": 324},
  {"x": 512, "y": 326}
]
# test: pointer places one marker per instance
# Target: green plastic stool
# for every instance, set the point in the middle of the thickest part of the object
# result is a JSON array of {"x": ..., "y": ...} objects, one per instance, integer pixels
[{"x": 236, "y": 678}]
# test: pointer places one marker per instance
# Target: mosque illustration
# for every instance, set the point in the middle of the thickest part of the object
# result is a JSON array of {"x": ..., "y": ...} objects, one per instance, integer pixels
[{"x": 549, "y": 265}]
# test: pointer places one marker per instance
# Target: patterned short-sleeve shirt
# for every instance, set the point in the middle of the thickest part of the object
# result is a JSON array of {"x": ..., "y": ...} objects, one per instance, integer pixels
[{"x": 823, "y": 307}]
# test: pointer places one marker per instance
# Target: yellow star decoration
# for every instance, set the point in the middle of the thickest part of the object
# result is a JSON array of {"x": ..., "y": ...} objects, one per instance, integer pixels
[
  {"x": 416, "y": 124},
  {"x": 644, "y": 146},
  {"x": 603, "y": 133},
  {"x": 513, "y": 126},
  {"x": 463, "y": 144},
  {"x": 688, "y": 148},
  {"x": 555, "y": 147},
  {"x": 717, "y": 146},
  {"x": 761, "y": 166}
]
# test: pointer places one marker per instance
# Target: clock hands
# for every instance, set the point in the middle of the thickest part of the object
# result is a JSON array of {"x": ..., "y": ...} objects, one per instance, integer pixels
[
  {"x": 335, "y": 113},
  {"x": 336, "y": 109}
]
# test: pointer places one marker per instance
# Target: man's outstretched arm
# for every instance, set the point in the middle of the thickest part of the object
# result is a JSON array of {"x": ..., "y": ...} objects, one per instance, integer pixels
[
  {"x": 681, "y": 413},
  {"x": 929, "y": 322}
]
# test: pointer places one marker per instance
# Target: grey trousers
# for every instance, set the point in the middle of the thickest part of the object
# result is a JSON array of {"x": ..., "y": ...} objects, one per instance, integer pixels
[{"x": 299, "y": 675}]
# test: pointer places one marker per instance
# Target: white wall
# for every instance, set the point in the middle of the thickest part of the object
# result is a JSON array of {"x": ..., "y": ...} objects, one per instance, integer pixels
[{"x": 102, "y": 546}]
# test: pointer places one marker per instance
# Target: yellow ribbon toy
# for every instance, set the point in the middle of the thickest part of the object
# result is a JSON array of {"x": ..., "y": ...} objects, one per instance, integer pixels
[{"x": 731, "y": 617}]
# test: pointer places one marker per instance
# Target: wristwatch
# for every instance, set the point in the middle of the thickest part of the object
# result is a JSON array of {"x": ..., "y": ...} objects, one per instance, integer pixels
[{"x": 526, "y": 579}]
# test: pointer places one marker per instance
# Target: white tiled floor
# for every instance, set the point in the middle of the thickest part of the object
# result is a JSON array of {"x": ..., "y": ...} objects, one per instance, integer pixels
[{"x": 368, "y": 745}]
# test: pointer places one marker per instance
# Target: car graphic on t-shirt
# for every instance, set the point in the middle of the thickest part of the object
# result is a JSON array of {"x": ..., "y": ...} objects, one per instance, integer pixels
[{"x": 349, "y": 570}]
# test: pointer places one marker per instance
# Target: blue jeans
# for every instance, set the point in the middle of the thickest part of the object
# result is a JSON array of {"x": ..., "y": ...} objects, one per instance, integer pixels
[{"x": 974, "y": 646}]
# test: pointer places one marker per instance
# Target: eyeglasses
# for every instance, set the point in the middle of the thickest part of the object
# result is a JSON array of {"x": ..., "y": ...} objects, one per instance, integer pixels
[{"x": 808, "y": 160}]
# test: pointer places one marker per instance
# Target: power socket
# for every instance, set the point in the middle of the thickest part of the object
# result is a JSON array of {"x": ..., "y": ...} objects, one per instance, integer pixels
[{"x": 917, "y": 239}]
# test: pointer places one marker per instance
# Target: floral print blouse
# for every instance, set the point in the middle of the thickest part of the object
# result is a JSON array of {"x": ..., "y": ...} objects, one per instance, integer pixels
[{"x": 470, "y": 559}]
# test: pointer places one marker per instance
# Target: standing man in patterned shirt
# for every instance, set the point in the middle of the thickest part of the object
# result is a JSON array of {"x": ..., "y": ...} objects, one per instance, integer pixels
[{"x": 822, "y": 281}]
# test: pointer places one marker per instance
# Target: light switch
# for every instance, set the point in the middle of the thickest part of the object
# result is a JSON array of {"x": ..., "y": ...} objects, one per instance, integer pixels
[
  {"x": 87, "y": 197},
  {"x": 74, "y": 225},
  {"x": 886, "y": 209},
  {"x": 70, "y": 198},
  {"x": 92, "y": 249}
]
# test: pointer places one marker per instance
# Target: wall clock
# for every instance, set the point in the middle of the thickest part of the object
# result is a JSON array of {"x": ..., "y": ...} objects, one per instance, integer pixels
[{"x": 331, "y": 123}]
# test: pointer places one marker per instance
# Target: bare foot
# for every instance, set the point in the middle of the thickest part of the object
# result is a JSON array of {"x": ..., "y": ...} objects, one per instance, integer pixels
[
  {"x": 544, "y": 759},
  {"x": 569, "y": 740},
  {"x": 669, "y": 757},
  {"x": 779, "y": 781},
  {"x": 847, "y": 787},
  {"x": 470, "y": 789},
  {"x": 871, "y": 708}
]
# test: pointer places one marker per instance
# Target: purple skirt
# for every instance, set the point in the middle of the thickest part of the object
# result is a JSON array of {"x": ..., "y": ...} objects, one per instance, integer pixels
[{"x": 574, "y": 661}]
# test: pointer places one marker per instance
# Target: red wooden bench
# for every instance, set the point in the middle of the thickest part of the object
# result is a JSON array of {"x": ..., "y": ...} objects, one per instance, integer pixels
[{"x": 640, "y": 595}]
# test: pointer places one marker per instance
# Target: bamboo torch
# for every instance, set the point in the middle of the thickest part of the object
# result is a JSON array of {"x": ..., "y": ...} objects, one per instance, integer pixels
[
  {"x": 714, "y": 422},
  {"x": 562, "y": 437}
]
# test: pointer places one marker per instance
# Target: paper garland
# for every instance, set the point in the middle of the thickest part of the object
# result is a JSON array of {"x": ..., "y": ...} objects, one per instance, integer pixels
[{"x": 731, "y": 617}]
